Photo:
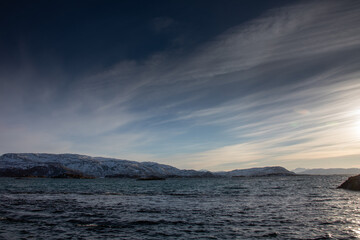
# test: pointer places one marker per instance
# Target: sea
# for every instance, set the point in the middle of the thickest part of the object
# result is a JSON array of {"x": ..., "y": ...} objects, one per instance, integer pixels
[{"x": 288, "y": 207}]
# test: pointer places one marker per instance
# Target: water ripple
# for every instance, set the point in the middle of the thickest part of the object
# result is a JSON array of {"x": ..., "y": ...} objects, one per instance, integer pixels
[{"x": 299, "y": 207}]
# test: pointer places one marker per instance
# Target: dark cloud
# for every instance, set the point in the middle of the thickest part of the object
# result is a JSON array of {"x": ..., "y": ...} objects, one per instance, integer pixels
[{"x": 161, "y": 23}]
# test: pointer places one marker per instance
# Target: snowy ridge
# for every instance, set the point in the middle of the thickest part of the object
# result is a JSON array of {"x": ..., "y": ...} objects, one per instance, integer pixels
[
  {"x": 107, "y": 167},
  {"x": 93, "y": 166}
]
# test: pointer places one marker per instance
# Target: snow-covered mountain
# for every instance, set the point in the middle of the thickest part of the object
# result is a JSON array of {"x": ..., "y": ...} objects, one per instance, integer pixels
[
  {"x": 52, "y": 165},
  {"x": 91, "y": 166}
]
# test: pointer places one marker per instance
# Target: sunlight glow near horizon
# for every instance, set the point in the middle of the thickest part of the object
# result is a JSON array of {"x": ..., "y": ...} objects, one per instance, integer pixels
[{"x": 357, "y": 126}]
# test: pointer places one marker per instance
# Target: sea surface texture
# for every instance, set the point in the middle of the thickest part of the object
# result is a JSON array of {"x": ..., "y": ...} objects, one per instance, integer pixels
[{"x": 293, "y": 207}]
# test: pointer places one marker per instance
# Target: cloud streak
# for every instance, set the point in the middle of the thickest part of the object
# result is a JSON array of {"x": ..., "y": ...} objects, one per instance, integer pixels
[{"x": 280, "y": 89}]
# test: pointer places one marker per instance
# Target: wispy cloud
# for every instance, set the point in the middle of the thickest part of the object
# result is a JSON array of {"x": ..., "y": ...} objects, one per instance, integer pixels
[
  {"x": 280, "y": 89},
  {"x": 297, "y": 34},
  {"x": 310, "y": 124}
]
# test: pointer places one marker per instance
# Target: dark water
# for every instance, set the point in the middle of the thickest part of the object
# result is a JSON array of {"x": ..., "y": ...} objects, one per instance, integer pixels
[{"x": 245, "y": 208}]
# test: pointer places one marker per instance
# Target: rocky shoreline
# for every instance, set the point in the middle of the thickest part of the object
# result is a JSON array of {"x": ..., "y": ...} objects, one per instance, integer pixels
[{"x": 352, "y": 183}]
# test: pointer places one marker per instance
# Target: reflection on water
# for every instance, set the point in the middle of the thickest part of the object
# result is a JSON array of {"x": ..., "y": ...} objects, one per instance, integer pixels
[
  {"x": 355, "y": 226},
  {"x": 296, "y": 207}
]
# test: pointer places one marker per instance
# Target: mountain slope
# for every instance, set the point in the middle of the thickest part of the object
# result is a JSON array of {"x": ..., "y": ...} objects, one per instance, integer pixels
[{"x": 91, "y": 166}]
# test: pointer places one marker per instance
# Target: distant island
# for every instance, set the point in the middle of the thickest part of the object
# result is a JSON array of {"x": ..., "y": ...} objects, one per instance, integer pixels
[
  {"x": 327, "y": 171},
  {"x": 82, "y": 166},
  {"x": 352, "y": 183}
]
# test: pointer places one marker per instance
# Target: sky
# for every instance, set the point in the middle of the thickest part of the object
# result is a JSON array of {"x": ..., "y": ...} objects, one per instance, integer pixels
[{"x": 214, "y": 85}]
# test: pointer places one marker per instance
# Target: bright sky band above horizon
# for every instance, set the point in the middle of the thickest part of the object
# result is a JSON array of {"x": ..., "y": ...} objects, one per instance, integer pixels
[{"x": 198, "y": 84}]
